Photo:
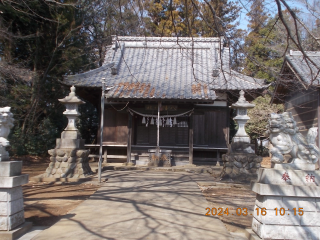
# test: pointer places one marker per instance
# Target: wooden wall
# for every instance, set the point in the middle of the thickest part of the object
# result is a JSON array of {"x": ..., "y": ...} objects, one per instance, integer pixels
[
  {"x": 169, "y": 136},
  {"x": 210, "y": 127},
  {"x": 115, "y": 127},
  {"x": 304, "y": 107}
]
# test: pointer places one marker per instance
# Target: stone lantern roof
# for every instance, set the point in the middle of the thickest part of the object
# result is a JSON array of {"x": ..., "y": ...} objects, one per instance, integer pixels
[
  {"x": 242, "y": 102},
  {"x": 72, "y": 98}
]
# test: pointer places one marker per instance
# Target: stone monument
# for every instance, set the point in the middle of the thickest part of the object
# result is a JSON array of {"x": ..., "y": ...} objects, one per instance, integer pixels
[
  {"x": 69, "y": 159},
  {"x": 12, "y": 222},
  {"x": 288, "y": 194},
  {"x": 240, "y": 161}
]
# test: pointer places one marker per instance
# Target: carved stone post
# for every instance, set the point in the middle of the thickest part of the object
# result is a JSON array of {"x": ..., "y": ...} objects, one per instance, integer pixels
[
  {"x": 12, "y": 220},
  {"x": 69, "y": 158}
]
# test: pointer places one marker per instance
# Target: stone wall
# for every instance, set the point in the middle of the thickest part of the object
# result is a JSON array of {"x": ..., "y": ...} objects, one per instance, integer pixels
[
  {"x": 72, "y": 163},
  {"x": 240, "y": 164}
]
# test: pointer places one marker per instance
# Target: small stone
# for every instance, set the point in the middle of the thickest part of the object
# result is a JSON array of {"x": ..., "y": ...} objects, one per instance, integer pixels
[
  {"x": 64, "y": 165},
  {"x": 60, "y": 152},
  {"x": 253, "y": 170},
  {"x": 237, "y": 164},
  {"x": 73, "y": 153},
  {"x": 81, "y": 153},
  {"x": 209, "y": 170},
  {"x": 228, "y": 170},
  {"x": 71, "y": 159},
  {"x": 59, "y": 159},
  {"x": 244, "y": 160},
  {"x": 73, "y": 165},
  {"x": 236, "y": 171},
  {"x": 251, "y": 165},
  {"x": 57, "y": 165},
  {"x": 52, "y": 152}
]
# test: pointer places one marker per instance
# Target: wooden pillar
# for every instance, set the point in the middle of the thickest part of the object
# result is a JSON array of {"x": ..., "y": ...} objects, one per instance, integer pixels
[
  {"x": 158, "y": 128},
  {"x": 318, "y": 115},
  {"x": 105, "y": 155},
  {"x": 318, "y": 163},
  {"x": 129, "y": 139},
  {"x": 228, "y": 125},
  {"x": 191, "y": 139}
]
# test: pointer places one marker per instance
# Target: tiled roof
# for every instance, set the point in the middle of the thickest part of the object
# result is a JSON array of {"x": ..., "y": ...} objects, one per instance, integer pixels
[
  {"x": 308, "y": 70},
  {"x": 162, "y": 68}
]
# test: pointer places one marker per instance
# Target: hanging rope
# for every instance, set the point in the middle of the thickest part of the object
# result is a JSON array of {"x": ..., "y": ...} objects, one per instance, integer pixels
[
  {"x": 162, "y": 116},
  {"x": 121, "y": 108}
]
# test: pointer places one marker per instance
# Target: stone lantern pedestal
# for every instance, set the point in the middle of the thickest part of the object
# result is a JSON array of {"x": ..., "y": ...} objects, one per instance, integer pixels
[
  {"x": 241, "y": 161},
  {"x": 12, "y": 222},
  {"x": 69, "y": 159}
]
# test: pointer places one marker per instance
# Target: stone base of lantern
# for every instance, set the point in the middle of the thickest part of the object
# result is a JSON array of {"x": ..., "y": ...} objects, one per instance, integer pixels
[
  {"x": 240, "y": 166},
  {"x": 68, "y": 163}
]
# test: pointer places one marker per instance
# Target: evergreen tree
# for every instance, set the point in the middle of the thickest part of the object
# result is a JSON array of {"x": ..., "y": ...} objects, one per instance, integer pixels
[
  {"x": 191, "y": 17},
  {"x": 219, "y": 18},
  {"x": 43, "y": 41},
  {"x": 262, "y": 58}
]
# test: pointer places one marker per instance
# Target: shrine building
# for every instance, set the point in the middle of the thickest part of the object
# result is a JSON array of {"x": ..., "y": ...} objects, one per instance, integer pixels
[
  {"x": 298, "y": 89},
  {"x": 190, "y": 82}
]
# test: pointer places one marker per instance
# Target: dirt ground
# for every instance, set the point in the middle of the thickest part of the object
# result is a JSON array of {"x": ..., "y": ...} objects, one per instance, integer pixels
[
  {"x": 232, "y": 198},
  {"x": 239, "y": 200},
  {"x": 45, "y": 203}
]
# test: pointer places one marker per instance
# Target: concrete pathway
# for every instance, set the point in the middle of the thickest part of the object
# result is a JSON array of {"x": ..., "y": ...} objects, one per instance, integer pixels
[{"x": 142, "y": 205}]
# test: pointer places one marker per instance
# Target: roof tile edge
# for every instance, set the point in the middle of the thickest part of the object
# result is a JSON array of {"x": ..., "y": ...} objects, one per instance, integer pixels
[
  {"x": 165, "y": 39},
  {"x": 309, "y": 53}
]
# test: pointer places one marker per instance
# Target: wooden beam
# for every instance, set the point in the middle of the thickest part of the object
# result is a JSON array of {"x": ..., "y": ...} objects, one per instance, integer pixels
[
  {"x": 191, "y": 139},
  {"x": 129, "y": 138}
]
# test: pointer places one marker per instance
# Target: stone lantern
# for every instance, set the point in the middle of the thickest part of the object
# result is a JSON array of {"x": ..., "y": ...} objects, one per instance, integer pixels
[
  {"x": 241, "y": 141},
  {"x": 72, "y": 103},
  {"x": 69, "y": 159},
  {"x": 241, "y": 163}
]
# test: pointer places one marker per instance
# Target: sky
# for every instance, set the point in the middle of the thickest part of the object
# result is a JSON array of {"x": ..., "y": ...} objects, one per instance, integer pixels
[{"x": 271, "y": 7}]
